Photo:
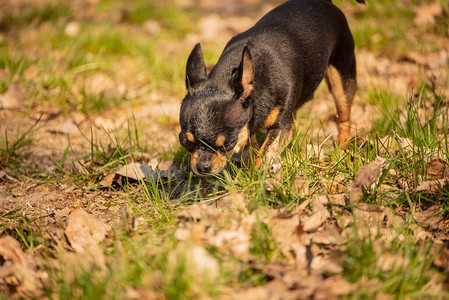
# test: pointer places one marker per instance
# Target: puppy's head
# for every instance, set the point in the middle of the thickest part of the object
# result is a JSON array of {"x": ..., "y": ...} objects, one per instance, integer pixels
[{"x": 215, "y": 113}]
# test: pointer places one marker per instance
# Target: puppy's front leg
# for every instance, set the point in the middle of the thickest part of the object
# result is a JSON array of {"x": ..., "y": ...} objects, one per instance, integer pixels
[
  {"x": 270, "y": 147},
  {"x": 250, "y": 147}
]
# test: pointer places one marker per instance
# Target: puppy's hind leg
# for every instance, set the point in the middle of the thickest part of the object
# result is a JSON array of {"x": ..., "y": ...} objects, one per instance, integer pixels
[{"x": 341, "y": 80}]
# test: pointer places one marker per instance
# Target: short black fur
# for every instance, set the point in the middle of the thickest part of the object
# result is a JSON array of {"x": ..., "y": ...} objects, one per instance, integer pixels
[{"x": 263, "y": 76}]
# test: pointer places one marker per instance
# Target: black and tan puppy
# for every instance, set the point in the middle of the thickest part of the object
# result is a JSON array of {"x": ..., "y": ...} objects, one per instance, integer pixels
[{"x": 262, "y": 77}]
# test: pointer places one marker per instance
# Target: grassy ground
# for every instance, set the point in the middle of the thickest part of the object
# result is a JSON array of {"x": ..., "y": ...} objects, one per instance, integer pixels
[{"x": 88, "y": 87}]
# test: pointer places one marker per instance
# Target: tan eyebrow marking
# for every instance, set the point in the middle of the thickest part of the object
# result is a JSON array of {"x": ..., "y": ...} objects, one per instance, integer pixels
[
  {"x": 220, "y": 140},
  {"x": 190, "y": 137}
]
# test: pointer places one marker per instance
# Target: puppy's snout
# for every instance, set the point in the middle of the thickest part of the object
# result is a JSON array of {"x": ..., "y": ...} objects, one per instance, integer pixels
[
  {"x": 205, "y": 163},
  {"x": 204, "y": 167}
]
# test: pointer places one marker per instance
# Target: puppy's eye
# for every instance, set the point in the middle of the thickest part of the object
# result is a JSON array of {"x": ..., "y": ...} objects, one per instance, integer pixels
[
  {"x": 188, "y": 145},
  {"x": 229, "y": 145},
  {"x": 185, "y": 142}
]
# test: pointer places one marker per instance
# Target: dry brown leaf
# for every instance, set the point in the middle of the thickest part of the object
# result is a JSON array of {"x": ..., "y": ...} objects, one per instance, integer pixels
[
  {"x": 373, "y": 220},
  {"x": 286, "y": 229},
  {"x": 437, "y": 169},
  {"x": 430, "y": 185},
  {"x": 234, "y": 241},
  {"x": 337, "y": 199},
  {"x": 426, "y": 14},
  {"x": 313, "y": 151},
  {"x": 166, "y": 165},
  {"x": 441, "y": 254},
  {"x": 300, "y": 285},
  {"x": 275, "y": 178},
  {"x": 195, "y": 233},
  {"x": 319, "y": 215},
  {"x": 302, "y": 207},
  {"x": 98, "y": 83},
  {"x": 301, "y": 185},
  {"x": 386, "y": 188},
  {"x": 284, "y": 272},
  {"x": 228, "y": 214},
  {"x": 333, "y": 187},
  {"x": 389, "y": 261},
  {"x": 5, "y": 176},
  {"x": 392, "y": 220},
  {"x": 273, "y": 290},
  {"x": 248, "y": 222},
  {"x": 369, "y": 214},
  {"x": 81, "y": 167},
  {"x": 81, "y": 223},
  {"x": 142, "y": 157},
  {"x": 182, "y": 234},
  {"x": 239, "y": 201},
  {"x": 61, "y": 214},
  {"x": 10, "y": 250},
  {"x": 84, "y": 233},
  {"x": 325, "y": 265},
  {"x": 395, "y": 143},
  {"x": 105, "y": 124},
  {"x": 261, "y": 214},
  {"x": 419, "y": 233},
  {"x": 137, "y": 171},
  {"x": 345, "y": 220},
  {"x": 67, "y": 127},
  {"x": 337, "y": 286},
  {"x": 302, "y": 259},
  {"x": 18, "y": 270},
  {"x": 368, "y": 178},
  {"x": 31, "y": 72},
  {"x": 167, "y": 169},
  {"x": 370, "y": 219},
  {"x": 202, "y": 262},
  {"x": 431, "y": 218},
  {"x": 107, "y": 180},
  {"x": 225, "y": 202},
  {"x": 198, "y": 262},
  {"x": 199, "y": 211},
  {"x": 13, "y": 97},
  {"x": 325, "y": 238}
]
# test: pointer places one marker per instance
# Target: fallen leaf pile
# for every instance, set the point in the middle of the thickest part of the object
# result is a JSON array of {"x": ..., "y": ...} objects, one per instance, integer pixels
[{"x": 310, "y": 239}]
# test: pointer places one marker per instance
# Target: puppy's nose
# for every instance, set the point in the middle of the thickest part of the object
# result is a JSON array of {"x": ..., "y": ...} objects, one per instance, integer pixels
[{"x": 204, "y": 167}]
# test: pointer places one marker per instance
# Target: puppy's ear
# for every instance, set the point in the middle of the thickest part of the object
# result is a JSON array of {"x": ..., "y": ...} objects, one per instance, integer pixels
[
  {"x": 243, "y": 77},
  {"x": 196, "y": 68}
]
